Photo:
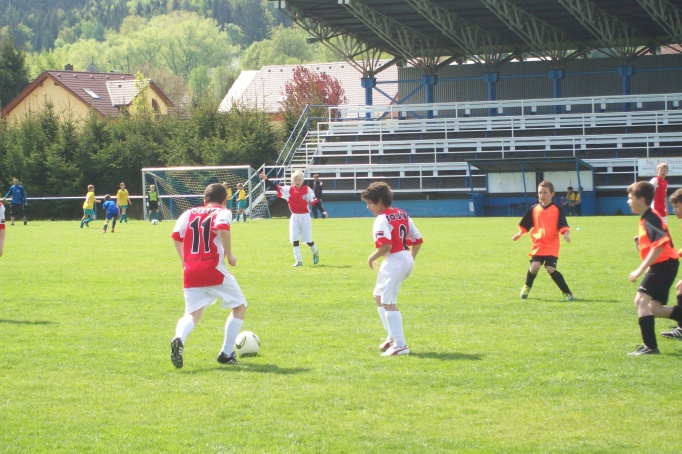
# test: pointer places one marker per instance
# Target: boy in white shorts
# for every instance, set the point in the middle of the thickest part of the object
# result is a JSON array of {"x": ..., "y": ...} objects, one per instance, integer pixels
[
  {"x": 394, "y": 233},
  {"x": 298, "y": 196},
  {"x": 202, "y": 238}
]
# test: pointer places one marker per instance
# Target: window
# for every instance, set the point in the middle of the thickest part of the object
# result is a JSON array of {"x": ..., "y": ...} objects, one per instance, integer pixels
[{"x": 92, "y": 93}]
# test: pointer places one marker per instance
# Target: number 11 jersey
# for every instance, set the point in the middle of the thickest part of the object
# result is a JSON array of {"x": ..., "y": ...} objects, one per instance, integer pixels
[{"x": 202, "y": 250}]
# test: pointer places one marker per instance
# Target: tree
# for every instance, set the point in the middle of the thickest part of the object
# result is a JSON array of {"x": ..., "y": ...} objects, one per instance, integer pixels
[
  {"x": 13, "y": 70},
  {"x": 307, "y": 88}
]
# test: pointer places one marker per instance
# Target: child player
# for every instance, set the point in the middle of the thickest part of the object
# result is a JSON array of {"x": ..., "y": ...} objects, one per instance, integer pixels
[
  {"x": 153, "y": 203},
  {"x": 300, "y": 225},
  {"x": 123, "y": 200},
  {"x": 89, "y": 207},
  {"x": 241, "y": 201},
  {"x": 548, "y": 222},
  {"x": 676, "y": 202},
  {"x": 660, "y": 262},
  {"x": 202, "y": 239},
  {"x": 110, "y": 212},
  {"x": 393, "y": 233}
]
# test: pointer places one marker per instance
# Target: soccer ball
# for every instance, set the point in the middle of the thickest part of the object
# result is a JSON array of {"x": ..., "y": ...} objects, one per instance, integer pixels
[
  {"x": 247, "y": 344},
  {"x": 155, "y": 221}
]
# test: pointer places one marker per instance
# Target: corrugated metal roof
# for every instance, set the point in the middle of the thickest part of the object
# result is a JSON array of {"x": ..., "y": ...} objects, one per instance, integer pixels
[{"x": 263, "y": 89}]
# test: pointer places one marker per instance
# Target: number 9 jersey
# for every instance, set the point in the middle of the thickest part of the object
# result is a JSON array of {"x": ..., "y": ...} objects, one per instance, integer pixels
[{"x": 202, "y": 249}]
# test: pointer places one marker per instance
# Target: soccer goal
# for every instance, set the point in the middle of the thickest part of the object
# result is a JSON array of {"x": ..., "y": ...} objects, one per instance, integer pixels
[{"x": 181, "y": 188}]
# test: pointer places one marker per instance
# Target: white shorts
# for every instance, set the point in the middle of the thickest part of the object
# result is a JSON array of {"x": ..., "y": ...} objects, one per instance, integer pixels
[
  {"x": 229, "y": 292},
  {"x": 300, "y": 228},
  {"x": 392, "y": 272}
]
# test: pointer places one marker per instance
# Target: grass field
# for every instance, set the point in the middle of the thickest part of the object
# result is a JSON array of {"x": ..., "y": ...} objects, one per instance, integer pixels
[{"x": 87, "y": 320}]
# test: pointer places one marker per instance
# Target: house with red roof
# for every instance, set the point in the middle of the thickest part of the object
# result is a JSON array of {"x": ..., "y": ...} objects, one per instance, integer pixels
[{"x": 78, "y": 94}]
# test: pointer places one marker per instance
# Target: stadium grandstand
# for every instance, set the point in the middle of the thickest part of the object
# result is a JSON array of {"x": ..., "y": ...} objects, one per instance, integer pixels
[{"x": 494, "y": 96}]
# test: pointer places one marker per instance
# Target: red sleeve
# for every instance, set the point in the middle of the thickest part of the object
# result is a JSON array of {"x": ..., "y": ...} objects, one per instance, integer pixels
[{"x": 176, "y": 236}]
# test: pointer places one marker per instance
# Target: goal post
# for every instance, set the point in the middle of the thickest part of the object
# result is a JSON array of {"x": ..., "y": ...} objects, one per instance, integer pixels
[{"x": 181, "y": 188}]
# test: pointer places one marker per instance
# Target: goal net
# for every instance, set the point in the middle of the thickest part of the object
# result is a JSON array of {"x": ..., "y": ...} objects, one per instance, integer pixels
[{"x": 181, "y": 188}]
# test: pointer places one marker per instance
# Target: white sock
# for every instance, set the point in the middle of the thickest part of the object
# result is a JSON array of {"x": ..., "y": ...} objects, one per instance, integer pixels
[
  {"x": 313, "y": 249},
  {"x": 232, "y": 328},
  {"x": 297, "y": 253},
  {"x": 382, "y": 316},
  {"x": 395, "y": 327},
  {"x": 184, "y": 327}
]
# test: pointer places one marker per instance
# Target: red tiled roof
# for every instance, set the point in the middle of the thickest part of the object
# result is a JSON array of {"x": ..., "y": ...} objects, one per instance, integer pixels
[{"x": 92, "y": 89}]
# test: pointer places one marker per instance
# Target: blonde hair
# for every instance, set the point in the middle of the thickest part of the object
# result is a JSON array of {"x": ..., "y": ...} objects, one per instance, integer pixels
[
  {"x": 295, "y": 175},
  {"x": 662, "y": 165}
]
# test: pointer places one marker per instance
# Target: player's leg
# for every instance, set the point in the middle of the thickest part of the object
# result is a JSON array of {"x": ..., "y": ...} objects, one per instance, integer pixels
[
  {"x": 106, "y": 224},
  {"x": 676, "y": 333},
  {"x": 383, "y": 346},
  {"x": 196, "y": 299},
  {"x": 393, "y": 271},
  {"x": 294, "y": 235},
  {"x": 232, "y": 297},
  {"x": 233, "y": 327},
  {"x": 531, "y": 274},
  {"x": 646, "y": 322},
  {"x": 306, "y": 227},
  {"x": 558, "y": 278},
  {"x": 113, "y": 224}
]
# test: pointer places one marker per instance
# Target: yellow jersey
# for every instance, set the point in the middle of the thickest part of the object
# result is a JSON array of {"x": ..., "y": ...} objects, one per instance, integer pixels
[
  {"x": 89, "y": 203},
  {"x": 122, "y": 197}
]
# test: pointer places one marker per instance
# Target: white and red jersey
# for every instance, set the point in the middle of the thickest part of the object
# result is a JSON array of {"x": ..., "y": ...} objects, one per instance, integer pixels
[
  {"x": 2, "y": 216},
  {"x": 298, "y": 198},
  {"x": 202, "y": 249},
  {"x": 660, "y": 201},
  {"x": 393, "y": 226}
]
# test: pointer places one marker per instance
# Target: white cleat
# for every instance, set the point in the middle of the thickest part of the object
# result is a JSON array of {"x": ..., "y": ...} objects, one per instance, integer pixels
[{"x": 396, "y": 351}]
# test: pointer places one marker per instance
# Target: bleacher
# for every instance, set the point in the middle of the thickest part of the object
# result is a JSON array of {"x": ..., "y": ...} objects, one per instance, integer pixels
[{"x": 426, "y": 147}]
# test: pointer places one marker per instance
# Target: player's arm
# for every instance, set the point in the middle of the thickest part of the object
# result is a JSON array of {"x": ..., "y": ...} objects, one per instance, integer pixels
[
  {"x": 651, "y": 257},
  {"x": 226, "y": 239},
  {"x": 2, "y": 239},
  {"x": 414, "y": 250},
  {"x": 179, "y": 248},
  {"x": 379, "y": 252}
]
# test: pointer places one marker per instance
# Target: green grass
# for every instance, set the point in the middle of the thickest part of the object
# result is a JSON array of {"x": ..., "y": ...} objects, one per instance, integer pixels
[{"x": 87, "y": 320}]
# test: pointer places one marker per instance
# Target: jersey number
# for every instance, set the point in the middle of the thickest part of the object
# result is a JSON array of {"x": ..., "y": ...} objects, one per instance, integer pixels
[
  {"x": 201, "y": 232},
  {"x": 402, "y": 230}
]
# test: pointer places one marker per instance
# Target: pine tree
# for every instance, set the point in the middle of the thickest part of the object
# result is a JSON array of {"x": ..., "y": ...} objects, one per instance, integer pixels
[{"x": 13, "y": 70}]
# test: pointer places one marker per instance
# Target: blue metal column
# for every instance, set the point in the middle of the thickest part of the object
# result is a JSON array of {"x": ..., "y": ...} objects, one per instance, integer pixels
[
  {"x": 491, "y": 78},
  {"x": 368, "y": 83},
  {"x": 626, "y": 73},
  {"x": 429, "y": 81},
  {"x": 556, "y": 75}
]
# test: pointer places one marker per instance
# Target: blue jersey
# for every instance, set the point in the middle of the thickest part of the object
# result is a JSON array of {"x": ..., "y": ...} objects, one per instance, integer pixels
[
  {"x": 18, "y": 194},
  {"x": 110, "y": 209}
]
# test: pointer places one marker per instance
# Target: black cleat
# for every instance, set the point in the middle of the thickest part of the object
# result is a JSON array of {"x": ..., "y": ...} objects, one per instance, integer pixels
[
  {"x": 176, "y": 352},
  {"x": 674, "y": 334},
  {"x": 644, "y": 350},
  {"x": 227, "y": 359}
]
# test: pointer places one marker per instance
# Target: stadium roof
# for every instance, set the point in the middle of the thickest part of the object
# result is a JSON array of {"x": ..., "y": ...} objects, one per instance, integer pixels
[{"x": 434, "y": 32}]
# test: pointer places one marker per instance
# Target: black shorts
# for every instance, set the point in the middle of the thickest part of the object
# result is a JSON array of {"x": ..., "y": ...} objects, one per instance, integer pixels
[
  {"x": 16, "y": 209},
  {"x": 547, "y": 260},
  {"x": 153, "y": 205},
  {"x": 658, "y": 280}
]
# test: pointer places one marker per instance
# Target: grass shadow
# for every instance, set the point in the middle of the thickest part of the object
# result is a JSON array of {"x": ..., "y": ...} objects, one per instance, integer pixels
[
  {"x": 254, "y": 368},
  {"x": 453, "y": 356},
  {"x": 26, "y": 322}
]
